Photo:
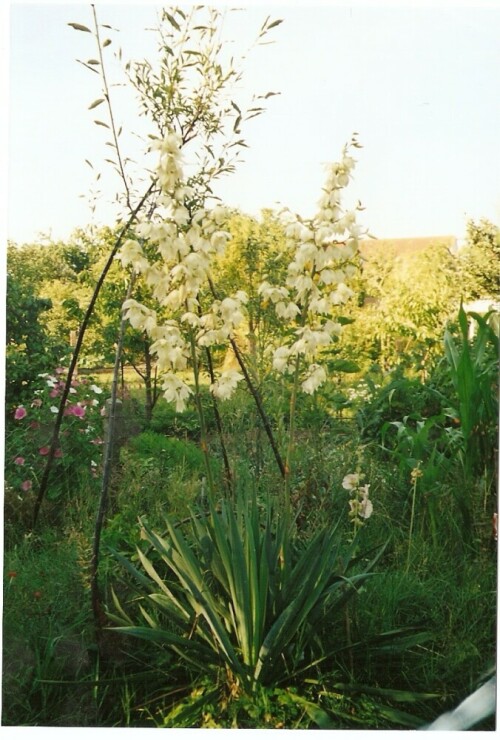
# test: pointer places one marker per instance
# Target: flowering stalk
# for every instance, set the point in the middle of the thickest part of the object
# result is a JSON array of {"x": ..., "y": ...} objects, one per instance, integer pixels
[
  {"x": 291, "y": 438},
  {"x": 416, "y": 473},
  {"x": 360, "y": 506},
  {"x": 255, "y": 394},
  {"x": 187, "y": 239},
  {"x": 218, "y": 422},
  {"x": 322, "y": 252},
  {"x": 201, "y": 416}
]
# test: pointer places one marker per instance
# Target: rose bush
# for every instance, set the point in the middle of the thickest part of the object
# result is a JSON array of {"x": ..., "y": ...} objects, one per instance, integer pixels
[{"x": 29, "y": 431}]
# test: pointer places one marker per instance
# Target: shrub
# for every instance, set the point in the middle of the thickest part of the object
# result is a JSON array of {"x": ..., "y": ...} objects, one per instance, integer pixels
[
  {"x": 29, "y": 435},
  {"x": 166, "y": 420},
  {"x": 166, "y": 453},
  {"x": 401, "y": 397}
]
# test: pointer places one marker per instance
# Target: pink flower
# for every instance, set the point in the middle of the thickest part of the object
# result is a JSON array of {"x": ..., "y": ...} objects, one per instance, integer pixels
[
  {"x": 60, "y": 370},
  {"x": 44, "y": 450},
  {"x": 36, "y": 403},
  {"x": 26, "y": 485},
  {"x": 34, "y": 425},
  {"x": 19, "y": 461},
  {"x": 54, "y": 393},
  {"x": 58, "y": 453},
  {"x": 77, "y": 410},
  {"x": 20, "y": 413}
]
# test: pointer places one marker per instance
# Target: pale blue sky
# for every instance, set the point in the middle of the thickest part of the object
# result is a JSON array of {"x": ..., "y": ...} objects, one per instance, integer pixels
[{"x": 419, "y": 84}]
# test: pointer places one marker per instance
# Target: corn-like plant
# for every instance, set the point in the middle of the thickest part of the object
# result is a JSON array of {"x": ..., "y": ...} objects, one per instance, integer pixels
[
  {"x": 473, "y": 363},
  {"x": 240, "y": 592}
]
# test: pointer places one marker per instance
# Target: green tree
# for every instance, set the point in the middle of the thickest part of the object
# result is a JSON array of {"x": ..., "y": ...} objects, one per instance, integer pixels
[
  {"x": 480, "y": 259},
  {"x": 29, "y": 350},
  {"x": 256, "y": 251},
  {"x": 407, "y": 302}
]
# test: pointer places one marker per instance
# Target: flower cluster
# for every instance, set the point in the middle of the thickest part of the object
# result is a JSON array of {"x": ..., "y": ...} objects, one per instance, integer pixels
[
  {"x": 186, "y": 237},
  {"x": 29, "y": 433},
  {"x": 322, "y": 252},
  {"x": 360, "y": 506},
  {"x": 185, "y": 240}
]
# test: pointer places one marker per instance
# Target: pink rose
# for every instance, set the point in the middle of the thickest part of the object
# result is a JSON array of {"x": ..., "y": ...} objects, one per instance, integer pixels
[
  {"x": 20, "y": 413},
  {"x": 19, "y": 461},
  {"x": 77, "y": 410},
  {"x": 26, "y": 485}
]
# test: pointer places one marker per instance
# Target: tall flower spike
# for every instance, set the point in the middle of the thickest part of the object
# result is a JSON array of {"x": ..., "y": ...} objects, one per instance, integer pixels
[{"x": 321, "y": 250}]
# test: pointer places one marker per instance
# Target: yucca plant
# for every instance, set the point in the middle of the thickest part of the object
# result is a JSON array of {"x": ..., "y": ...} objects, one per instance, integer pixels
[{"x": 240, "y": 591}]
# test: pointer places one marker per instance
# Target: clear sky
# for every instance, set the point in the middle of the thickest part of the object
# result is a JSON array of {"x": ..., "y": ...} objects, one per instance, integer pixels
[{"x": 420, "y": 84}]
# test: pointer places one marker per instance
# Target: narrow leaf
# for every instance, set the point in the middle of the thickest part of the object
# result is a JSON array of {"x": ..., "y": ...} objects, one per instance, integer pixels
[
  {"x": 88, "y": 67},
  {"x": 101, "y": 123},
  {"x": 274, "y": 24},
  {"x": 96, "y": 103},
  {"x": 79, "y": 27},
  {"x": 106, "y": 42},
  {"x": 172, "y": 21}
]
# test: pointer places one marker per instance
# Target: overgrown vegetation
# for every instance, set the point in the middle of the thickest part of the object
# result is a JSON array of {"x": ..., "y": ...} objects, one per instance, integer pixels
[{"x": 298, "y": 501}]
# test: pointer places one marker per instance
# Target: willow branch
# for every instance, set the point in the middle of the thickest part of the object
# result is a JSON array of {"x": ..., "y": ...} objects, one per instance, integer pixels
[
  {"x": 76, "y": 352},
  {"x": 110, "y": 110}
]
